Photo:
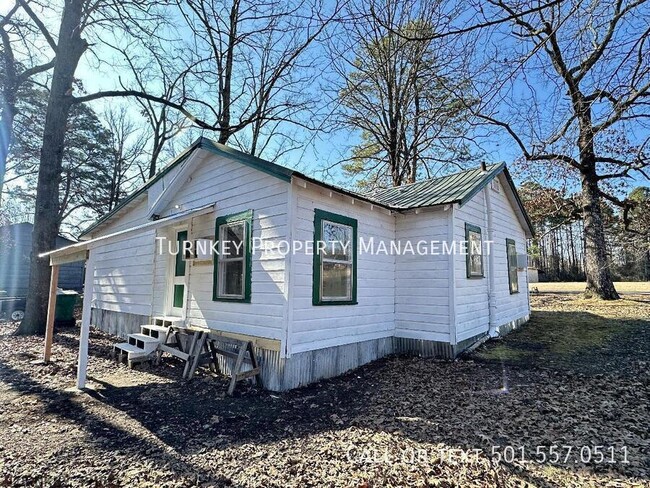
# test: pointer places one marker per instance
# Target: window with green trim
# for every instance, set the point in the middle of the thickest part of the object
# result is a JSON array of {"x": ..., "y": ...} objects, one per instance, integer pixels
[
  {"x": 474, "y": 251},
  {"x": 233, "y": 263},
  {"x": 513, "y": 276},
  {"x": 335, "y": 259}
]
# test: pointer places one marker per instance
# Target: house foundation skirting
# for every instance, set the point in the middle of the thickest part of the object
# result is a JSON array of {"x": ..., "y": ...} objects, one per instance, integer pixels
[
  {"x": 301, "y": 369},
  {"x": 117, "y": 323},
  {"x": 434, "y": 349},
  {"x": 304, "y": 368},
  {"x": 512, "y": 325},
  {"x": 422, "y": 348}
]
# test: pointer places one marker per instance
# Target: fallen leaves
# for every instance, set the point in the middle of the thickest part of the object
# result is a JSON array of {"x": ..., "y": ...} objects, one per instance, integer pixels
[{"x": 396, "y": 422}]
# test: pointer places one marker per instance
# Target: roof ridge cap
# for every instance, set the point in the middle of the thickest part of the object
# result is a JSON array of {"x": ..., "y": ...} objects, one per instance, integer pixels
[{"x": 490, "y": 167}]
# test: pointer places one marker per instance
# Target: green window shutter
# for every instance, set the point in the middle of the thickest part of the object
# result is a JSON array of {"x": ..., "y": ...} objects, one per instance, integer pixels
[
  {"x": 513, "y": 276},
  {"x": 317, "y": 283},
  {"x": 473, "y": 273},
  {"x": 180, "y": 262},
  {"x": 245, "y": 218}
]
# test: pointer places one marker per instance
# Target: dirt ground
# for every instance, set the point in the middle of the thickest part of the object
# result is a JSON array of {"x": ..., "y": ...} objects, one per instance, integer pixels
[{"x": 563, "y": 401}]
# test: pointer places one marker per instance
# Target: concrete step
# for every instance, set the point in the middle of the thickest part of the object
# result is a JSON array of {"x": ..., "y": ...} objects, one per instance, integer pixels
[
  {"x": 167, "y": 321},
  {"x": 131, "y": 351},
  {"x": 155, "y": 331},
  {"x": 147, "y": 343}
]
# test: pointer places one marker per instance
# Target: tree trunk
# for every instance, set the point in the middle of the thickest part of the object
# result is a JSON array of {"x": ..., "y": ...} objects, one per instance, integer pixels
[
  {"x": 224, "y": 123},
  {"x": 155, "y": 154},
  {"x": 159, "y": 128},
  {"x": 70, "y": 48},
  {"x": 599, "y": 279}
]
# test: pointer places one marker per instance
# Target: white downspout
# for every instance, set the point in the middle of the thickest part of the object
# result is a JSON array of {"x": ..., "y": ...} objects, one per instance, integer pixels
[
  {"x": 492, "y": 306},
  {"x": 287, "y": 314},
  {"x": 453, "y": 334}
]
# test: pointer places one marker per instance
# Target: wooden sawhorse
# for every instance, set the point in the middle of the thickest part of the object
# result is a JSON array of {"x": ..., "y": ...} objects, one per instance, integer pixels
[
  {"x": 196, "y": 340},
  {"x": 207, "y": 346}
]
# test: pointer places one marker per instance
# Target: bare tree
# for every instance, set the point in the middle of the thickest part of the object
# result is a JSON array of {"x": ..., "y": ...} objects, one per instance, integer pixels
[
  {"x": 69, "y": 45},
  {"x": 18, "y": 28},
  {"x": 395, "y": 75},
  {"x": 571, "y": 81},
  {"x": 68, "y": 49},
  {"x": 157, "y": 68},
  {"x": 254, "y": 69},
  {"x": 82, "y": 19},
  {"x": 165, "y": 124},
  {"x": 128, "y": 142}
]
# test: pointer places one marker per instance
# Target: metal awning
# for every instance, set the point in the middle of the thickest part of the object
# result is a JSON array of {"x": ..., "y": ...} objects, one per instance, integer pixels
[{"x": 79, "y": 250}]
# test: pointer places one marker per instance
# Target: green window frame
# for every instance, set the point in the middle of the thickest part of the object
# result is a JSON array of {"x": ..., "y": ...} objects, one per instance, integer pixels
[
  {"x": 513, "y": 275},
  {"x": 223, "y": 260},
  {"x": 179, "y": 294},
  {"x": 180, "y": 266},
  {"x": 180, "y": 260},
  {"x": 474, "y": 256},
  {"x": 334, "y": 259}
]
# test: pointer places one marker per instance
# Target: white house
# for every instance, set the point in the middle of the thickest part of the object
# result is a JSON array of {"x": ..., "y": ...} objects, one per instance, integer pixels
[{"x": 394, "y": 285}]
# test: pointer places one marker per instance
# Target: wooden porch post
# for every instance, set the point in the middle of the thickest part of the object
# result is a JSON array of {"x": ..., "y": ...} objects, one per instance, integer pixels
[
  {"x": 51, "y": 310},
  {"x": 82, "y": 365}
]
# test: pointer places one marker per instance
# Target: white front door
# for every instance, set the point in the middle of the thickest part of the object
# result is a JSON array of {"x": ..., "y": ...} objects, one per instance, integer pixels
[{"x": 178, "y": 283}]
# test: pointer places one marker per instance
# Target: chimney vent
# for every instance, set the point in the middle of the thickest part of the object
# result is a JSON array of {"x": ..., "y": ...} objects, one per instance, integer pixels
[{"x": 483, "y": 167}]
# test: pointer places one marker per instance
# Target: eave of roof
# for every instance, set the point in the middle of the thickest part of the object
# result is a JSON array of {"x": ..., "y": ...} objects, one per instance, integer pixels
[
  {"x": 171, "y": 165},
  {"x": 456, "y": 188}
]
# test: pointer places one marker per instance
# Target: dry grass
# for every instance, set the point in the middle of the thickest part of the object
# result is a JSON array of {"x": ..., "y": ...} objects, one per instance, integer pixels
[{"x": 578, "y": 287}]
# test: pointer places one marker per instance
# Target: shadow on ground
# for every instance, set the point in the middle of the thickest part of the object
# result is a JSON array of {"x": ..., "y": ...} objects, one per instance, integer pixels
[{"x": 567, "y": 379}]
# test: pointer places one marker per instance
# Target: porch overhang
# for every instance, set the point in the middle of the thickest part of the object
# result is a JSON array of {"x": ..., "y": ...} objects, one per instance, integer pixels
[{"x": 80, "y": 251}]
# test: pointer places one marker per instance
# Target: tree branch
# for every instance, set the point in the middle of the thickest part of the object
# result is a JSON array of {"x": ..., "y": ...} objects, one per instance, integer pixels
[
  {"x": 39, "y": 24},
  {"x": 146, "y": 96}
]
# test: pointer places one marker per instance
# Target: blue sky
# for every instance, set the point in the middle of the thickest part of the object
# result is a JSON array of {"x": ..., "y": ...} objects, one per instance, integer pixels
[{"x": 326, "y": 149}]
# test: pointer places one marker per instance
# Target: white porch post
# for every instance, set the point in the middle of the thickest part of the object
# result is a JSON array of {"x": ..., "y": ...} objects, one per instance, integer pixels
[
  {"x": 51, "y": 312},
  {"x": 82, "y": 364}
]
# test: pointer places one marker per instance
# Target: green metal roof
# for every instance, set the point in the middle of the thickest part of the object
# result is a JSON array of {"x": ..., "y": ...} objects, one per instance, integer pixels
[{"x": 454, "y": 188}]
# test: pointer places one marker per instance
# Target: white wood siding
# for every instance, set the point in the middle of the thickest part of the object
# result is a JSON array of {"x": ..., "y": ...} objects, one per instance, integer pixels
[
  {"x": 422, "y": 281},
  {"x": 124, "y": 269},
  {"x": 472, "y": 313},
  {"x": 315, "y": 327},
  {"x": 131, "y": 277},
  {"x": 472, "y": 293},
  {"x": 507, "y": 226},
  {"x": 234, "y": 188}
]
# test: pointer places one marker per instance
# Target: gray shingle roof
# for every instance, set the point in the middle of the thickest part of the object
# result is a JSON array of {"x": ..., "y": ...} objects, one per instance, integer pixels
[{"x": 454, "y": 188}]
